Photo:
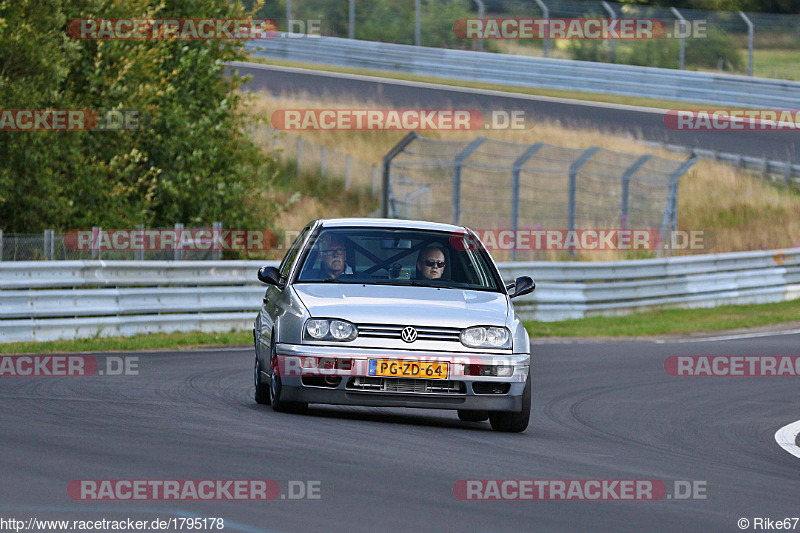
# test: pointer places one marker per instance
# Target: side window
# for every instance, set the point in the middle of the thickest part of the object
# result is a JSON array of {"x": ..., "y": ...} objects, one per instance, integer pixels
[{"x": 292, "y": 253}]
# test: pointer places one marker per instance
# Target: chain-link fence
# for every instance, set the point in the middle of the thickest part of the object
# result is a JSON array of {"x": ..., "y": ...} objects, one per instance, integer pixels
[
  {"x": 491, "y": 184},
  {"x": 314, "y": 158},
  {"x": 725, "y": 40},
  {"x": 151, "y": 244}
]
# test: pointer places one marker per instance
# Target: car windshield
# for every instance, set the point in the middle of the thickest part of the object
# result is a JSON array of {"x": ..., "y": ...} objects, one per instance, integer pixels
[{"x": 377, "y": 256}]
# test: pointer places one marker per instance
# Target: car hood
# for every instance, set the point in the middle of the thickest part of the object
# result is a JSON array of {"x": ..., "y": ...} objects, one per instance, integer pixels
[{"x": 386, "y": 304}]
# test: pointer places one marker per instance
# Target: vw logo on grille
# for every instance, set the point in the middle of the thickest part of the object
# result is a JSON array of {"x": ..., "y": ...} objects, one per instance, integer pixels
[{"x": 408, "y": 334}]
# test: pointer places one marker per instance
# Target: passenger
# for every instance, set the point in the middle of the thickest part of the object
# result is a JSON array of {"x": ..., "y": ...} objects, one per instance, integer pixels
[{"x": 430, "y": 263}]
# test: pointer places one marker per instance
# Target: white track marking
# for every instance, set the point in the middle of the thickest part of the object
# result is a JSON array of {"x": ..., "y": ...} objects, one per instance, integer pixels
[
  {"x": 786, "y": 438},
  {"x": 733, "y": 337}
]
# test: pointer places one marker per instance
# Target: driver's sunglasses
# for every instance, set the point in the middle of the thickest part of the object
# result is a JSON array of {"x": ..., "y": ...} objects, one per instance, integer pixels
[
  {"x": 430, "y": 263},
  {"x": 334, "y": 251}
]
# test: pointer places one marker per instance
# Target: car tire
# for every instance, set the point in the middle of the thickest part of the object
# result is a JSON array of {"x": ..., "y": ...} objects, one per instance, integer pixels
[
  {"x": 262, "y": 389},
  {"x": 473, "y": 416},
  {"x": 279, "y": 405},
  {"x": 514, "y": 421}
]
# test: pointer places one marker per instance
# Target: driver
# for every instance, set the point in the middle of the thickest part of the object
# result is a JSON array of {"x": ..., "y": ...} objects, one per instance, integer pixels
[
  {"x": 430, "y": 263},
  {"x": 333, "y": 256}
]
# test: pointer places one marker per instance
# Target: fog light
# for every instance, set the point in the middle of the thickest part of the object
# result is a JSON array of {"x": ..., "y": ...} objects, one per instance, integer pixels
[{"x": 505, "y": 370}]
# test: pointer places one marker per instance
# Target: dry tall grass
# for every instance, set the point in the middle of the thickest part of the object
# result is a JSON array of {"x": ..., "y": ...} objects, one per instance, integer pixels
[{"x": 735, "y": 211}]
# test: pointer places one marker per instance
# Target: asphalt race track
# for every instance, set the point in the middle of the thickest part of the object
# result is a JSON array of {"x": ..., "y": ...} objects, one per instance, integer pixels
[
  {"x": 600, "y": 411},
  {"x": 643, "y": 123}
]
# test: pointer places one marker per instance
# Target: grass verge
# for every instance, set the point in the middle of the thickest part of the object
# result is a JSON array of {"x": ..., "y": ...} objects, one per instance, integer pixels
[
  {"x": 655, "y": 323},
  {"x": 155, "y": 341},
  {"x": 671, "y": 321}
]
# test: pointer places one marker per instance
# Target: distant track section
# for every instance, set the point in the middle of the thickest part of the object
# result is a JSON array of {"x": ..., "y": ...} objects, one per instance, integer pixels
[{"x": 640, "y": 122}]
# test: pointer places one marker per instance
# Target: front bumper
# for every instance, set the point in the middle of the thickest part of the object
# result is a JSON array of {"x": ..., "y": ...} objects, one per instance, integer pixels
[{"x": 309, "y": 385}]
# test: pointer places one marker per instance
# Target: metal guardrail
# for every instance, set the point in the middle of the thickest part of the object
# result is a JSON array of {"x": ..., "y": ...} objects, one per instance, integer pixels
[
  {"x": 46, "y": 300},
  {"x": 701, "y": 87},
  {"x": 777, "y": 172}
]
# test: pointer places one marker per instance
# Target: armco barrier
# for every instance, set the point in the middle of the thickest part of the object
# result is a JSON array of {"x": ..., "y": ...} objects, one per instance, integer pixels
[
  {"x": 51, "y": 300},
  {"x": 680, "y": 85}
]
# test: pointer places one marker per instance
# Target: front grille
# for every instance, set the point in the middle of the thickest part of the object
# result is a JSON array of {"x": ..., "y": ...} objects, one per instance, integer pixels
[
  {"x": 406, "y": 385},
  {"x": 424, "y": 333}
]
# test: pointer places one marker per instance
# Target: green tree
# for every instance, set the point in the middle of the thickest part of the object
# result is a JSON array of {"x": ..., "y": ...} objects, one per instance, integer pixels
[{"x": 190, "y": 161}]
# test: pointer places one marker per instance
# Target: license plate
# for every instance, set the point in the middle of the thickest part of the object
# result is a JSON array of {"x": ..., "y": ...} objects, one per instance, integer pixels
[{"x": 408, "y": 369}]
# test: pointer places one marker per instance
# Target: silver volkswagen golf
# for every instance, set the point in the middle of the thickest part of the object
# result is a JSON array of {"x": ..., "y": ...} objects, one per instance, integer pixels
[{"x": 393, "y": 313}]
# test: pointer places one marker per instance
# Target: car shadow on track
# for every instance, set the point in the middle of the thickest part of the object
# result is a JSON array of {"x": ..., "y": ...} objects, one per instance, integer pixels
[{"x": 380, "y": 414}]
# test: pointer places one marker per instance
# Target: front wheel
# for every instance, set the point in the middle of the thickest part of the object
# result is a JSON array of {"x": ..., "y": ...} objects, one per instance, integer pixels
[
  {"x": 512, "y": 421},
  {"x": 275, "y": 389},
  {"x": 262, "y": 390}
]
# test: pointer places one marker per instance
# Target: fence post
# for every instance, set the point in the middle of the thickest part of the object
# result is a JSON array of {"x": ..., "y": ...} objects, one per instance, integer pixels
[
  {"x": 458, "y": 162},
  {"x": 787, "y": 174},
  {"x": 573, "y": 188},
  {"x": 351, "y": 27},
  {"x": 670, "y": 220},
  {"x": 288, "y": 15},
  {"x": 626, "y": 181},
  {"x": 374, "y": 179},
  {"x": 347, "y": 171},
  {"x": 216, "y": 231},
  {"x": 417, "y": 17},
  {"x": 750, "y": 31},
  {"x": 545, "y": 15},
  {"x": 682, "y": 36},
  {"x": 178, "y": 255},
  {"x": 97, "y": 240},
  {"x": 323, "y": 155},
  {"x": 481, "y": 9},
  {"x": 613, "y": 15},
  {"x": 386, "y": 163},
  {"x": 518, "y": 164},
  {"x": 299, "y": 156},
  {"x": 139, "y": 254},
  {"x": 1, "y": 245}
]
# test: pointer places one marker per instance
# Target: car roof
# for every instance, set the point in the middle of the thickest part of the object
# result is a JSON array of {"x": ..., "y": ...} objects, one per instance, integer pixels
[{"x": 394, "y": 223}]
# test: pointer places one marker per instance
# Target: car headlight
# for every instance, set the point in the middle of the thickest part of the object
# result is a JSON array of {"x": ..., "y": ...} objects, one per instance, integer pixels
[
  {"x": 317, "y": 329},
  {"x": 486, "y": 337},
  {"x": 330, "y": 329}
]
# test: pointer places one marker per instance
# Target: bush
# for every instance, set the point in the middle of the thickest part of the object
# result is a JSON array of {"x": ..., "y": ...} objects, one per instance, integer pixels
[
  {"x": 707, "y": 52},
  {"x": 665, "y": 53}
]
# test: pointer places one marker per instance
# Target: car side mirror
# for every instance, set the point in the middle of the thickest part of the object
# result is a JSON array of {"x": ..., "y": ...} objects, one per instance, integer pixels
[
  {"x": 270, "y": 276},
  {"x": 522, "y": 285}
]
